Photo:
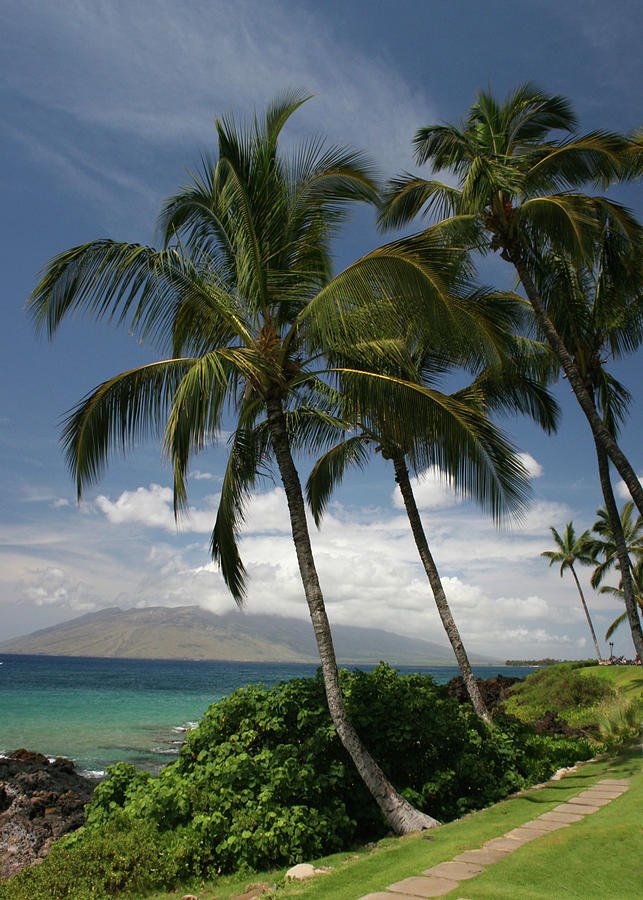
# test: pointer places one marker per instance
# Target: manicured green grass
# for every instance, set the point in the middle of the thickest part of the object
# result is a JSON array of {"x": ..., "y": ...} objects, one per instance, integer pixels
[{"x": 596, "y": 858}]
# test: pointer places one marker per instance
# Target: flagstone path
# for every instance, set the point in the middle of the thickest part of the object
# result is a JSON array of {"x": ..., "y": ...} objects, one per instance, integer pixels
[{"x": 446, "y": 876}]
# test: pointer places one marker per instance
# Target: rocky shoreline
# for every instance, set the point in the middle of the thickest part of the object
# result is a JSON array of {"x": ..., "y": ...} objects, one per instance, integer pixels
[{"x": 40, "y": 801}]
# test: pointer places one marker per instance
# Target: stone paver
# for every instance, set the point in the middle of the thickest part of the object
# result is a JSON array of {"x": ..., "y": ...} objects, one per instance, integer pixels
[
  {"x": 458, "y": 871},
  {"x": 424, "y": 886},
  {"x": 481, "y": 857},
  {"x": 623, "y": 782},
  {"x": 576, "y": 809},
  {"x": 612, "y": 794},
  {"x": 544, "y": 826},
  {"x": 524, "y": 835},
  {"x": 504, "y": 843},
  {"x": 591, "y": 801},
  {"x": 563, "y": 818},
  {"x": 387, "y": 895}
]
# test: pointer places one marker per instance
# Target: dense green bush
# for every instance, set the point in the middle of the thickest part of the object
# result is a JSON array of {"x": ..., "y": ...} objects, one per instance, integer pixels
[
  {"x": 562, "y": 688},
  {"x": 264, "y": 780}
]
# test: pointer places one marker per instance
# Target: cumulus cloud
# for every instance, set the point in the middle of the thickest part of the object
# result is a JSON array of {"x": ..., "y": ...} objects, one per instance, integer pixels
[
  {"x": 534, "y": 469},
  {"x": 54, "y": 587},
  {"x": 153, "y": 508},
  {"x": 432, "y": 490}
]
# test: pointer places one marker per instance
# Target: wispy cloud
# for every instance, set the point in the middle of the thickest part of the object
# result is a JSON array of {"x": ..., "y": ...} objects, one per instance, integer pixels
[{"x": 158, "y": 80}]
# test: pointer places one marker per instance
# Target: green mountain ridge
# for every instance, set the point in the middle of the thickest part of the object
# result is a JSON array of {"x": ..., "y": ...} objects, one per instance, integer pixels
[{"x": 190, "y": 632}]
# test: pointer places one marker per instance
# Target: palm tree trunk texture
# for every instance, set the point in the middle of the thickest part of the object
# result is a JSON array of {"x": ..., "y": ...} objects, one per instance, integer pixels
[
  {"x": 402, "y": 478},
  {"x": 624, "y": 561},
  {"x": 402, "y": 817},
  {"x": 601, "y": 434},
  {"x": 587, "y": 615}
]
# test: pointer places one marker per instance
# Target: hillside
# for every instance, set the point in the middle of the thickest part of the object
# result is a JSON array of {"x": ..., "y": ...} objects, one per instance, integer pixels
[{"x": 194, "y": 633}]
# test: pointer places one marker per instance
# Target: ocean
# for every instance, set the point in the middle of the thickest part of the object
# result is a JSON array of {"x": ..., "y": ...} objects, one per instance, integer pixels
[{"x": 102, "y": 711}]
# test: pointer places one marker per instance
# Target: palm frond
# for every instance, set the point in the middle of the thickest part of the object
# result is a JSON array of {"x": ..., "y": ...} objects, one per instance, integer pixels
[
  {"x": 122, "y": 411},
  {"x": 329, "y": 470},
  {"x": 245, "y": 461}
]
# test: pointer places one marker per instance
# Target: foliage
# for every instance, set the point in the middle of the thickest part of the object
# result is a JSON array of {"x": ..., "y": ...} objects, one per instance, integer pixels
[
  {"x": 95, "y": 864},
  {"x": 621, "y": 720},
  {"x": 264, "y": 780},
  {"x": 562, "y": 688}
]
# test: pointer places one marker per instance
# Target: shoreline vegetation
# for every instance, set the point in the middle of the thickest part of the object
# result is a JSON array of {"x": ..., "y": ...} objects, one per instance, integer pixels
[{"x": 164, "y": 830}]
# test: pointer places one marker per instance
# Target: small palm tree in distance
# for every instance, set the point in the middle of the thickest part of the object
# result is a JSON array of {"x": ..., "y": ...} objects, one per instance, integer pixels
[{"x": 570, "y": 550}]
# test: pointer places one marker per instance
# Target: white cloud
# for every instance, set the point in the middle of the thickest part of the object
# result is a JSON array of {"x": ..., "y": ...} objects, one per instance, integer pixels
[
  {"x": 534, "y": 469},
  {"x": 621, "y": 489},
  {"x": 54, "y": 587},
  {"x": 431, "y": 490},
  {"x": 153, "y": 508}
]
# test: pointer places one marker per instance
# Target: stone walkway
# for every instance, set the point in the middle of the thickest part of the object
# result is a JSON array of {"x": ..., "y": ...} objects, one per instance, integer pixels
[{"x": 446, "y": 876}]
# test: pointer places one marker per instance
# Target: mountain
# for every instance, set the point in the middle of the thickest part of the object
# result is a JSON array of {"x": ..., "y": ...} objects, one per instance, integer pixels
[{"x": 189, "y": 632}]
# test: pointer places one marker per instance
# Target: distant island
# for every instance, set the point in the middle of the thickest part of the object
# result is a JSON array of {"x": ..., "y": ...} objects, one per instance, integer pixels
[
  {"x": 547, "y": 661},
  {"x": 190, "y": 632}
]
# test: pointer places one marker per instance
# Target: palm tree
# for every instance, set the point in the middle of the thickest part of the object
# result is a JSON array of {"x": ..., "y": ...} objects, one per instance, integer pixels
[
  {"x": 242, "y": 303},
  {"x": 451, "y": 432},
  {"x": 605, "y": 545},
  {"x": 597, "y": 308},
  {"x": 570, "y": 550},
  {"x": 637, "y": 579},
  {"x": 518, "y": 193}
]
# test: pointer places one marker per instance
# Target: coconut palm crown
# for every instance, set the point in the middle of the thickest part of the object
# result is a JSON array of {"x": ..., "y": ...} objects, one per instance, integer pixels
[{"x": 518, "y": 193}]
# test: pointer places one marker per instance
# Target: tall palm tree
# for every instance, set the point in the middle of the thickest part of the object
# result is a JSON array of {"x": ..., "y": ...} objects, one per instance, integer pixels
[
  {"x": 572, "y": 549},
  {"x": 518, "y": 194},
  {"x": 452, "y": 432},
  {"x": 637, "y": 580},
  {"x": 604, "y": 543},
  {"x": 596, "y": 306},
  {"x": 242, "y": 302}
]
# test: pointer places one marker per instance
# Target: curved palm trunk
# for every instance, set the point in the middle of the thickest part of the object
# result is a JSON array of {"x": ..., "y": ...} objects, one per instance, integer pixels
[
  {"x": 601, "y": 434},
  {"x": 402, "y": 478},
  {"x": 621, "y": 550},
  {"x": 587, "y": 615},
  {"x": 401, "y": 816}
]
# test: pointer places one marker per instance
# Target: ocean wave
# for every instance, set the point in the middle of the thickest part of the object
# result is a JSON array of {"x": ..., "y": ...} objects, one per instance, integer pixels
[
  {"x": 92, "y": 773},
  {"x": 165, "y": 750},
  {"x": 188, "y": 726}
]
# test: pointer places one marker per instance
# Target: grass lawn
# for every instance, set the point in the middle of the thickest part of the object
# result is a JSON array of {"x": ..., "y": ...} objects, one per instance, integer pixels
[{"x": 596, "y": 858}]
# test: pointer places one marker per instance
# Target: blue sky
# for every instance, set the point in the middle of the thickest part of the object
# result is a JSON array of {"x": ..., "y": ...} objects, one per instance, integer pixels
[{"x": 105, "y": 104}]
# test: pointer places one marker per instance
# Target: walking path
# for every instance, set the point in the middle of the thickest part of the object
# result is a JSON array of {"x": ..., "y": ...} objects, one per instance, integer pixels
[{"x": 446, "y": 876}]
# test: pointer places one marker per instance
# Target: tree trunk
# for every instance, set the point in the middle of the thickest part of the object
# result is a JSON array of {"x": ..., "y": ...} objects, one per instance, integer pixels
[
  {"x": 601, "y": 433},
  {"x": 401, "y": 816},
  {"x": 624, "y": 561},
  {"x": 402, "y": 478},
  {"x": 587, "y": 616}
]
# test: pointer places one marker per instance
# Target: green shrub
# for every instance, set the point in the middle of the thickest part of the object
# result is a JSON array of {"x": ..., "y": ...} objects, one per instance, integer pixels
[
  {"x": 264, "y": 781},
  {"x": 95, "y": 864},
  {"x": 561, "y": 688}
]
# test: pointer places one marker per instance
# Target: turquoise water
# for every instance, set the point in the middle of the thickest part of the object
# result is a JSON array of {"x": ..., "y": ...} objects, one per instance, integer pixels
[{"x": 101, "y": 711}]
